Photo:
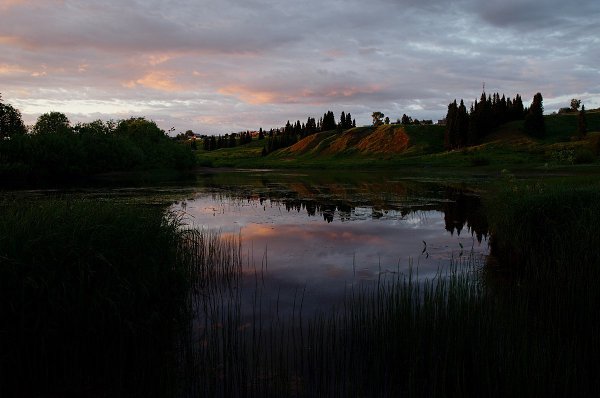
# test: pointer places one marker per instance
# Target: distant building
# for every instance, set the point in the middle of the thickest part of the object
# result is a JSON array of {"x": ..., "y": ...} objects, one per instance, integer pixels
[{"x": 441, "y": 122}]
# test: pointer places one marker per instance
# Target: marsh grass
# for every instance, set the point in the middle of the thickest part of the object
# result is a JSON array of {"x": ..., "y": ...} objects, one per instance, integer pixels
[{"x": 91, "y": 294}]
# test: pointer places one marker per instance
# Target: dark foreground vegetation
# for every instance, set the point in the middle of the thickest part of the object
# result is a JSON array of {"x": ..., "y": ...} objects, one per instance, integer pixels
[
  {"x": 54, "y": 150},
  {"x": 92, "y": 295}
]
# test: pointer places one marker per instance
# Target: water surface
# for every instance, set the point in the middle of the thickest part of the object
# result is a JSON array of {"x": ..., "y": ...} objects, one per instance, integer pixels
[{"x": 319, "y": 239}]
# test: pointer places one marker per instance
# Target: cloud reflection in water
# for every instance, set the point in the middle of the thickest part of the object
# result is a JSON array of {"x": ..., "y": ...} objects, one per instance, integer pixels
[{"x": 321, "y": 256}]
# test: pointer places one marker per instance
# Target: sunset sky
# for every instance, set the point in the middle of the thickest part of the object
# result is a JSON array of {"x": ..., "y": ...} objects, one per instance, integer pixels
[{"x": 230, "y": 65}]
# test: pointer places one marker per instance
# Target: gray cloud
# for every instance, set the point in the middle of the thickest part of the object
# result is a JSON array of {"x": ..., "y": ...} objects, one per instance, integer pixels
[{"x": 231, "y": 65}]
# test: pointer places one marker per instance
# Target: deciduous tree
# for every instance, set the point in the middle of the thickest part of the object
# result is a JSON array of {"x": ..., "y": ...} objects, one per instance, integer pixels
[
  {"x": 377, "y": 118},
  {"x": 52, "y": 123},
  {"x": 11, "y": 122}
]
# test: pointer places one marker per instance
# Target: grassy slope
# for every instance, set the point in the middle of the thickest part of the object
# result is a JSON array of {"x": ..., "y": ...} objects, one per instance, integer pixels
[{"x": 366, "y": 147}]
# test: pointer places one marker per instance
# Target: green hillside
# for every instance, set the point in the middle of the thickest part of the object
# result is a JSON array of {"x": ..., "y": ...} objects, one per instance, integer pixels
[{"x": 423, "y": 146}]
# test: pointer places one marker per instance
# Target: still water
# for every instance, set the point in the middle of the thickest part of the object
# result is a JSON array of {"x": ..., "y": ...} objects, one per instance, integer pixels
[{"x": 314, "y": 239}]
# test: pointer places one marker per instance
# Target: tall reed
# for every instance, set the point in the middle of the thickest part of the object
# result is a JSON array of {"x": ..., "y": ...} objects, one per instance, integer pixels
[{"x": 91, "y": 294}]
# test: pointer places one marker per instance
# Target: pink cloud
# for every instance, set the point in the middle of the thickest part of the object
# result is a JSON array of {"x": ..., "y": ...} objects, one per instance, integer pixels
[{"x": 156, "y": 80}]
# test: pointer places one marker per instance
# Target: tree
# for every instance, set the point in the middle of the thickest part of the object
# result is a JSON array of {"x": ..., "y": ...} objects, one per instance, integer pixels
[
  {"x": 52, "y": 123},
  {"x": 11, "y": 122},
  {"x": 575, "y": 104},
  {"x": 462, "y": 125},
  {"x": 534, "y": 121},
  {"x": 140, "y": 128},
  {"x": 387, "y": 120},
  {"x": 377, "y": 116},
  {"x": 451, "y": 133},
  {"x": 581, "y": 122}
]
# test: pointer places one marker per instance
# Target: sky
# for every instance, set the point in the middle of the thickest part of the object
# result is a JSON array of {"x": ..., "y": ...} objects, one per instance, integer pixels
[{"x": 224, "y": 66}]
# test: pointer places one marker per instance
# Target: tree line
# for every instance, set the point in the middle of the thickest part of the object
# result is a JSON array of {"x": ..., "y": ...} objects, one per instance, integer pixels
[
  {"x": 55, "y": 148},
  {"x": 210, "y": 143},
  {"x": 466, "y": 128},
  {"x": 294, "y": 132}
]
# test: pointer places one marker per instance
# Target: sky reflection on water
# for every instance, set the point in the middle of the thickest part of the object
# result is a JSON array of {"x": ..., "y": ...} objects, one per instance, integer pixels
[{"x": 323, "y": 255}]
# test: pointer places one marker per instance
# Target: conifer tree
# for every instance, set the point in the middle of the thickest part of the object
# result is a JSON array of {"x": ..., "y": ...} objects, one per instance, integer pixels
[
  {"x": 349, "y": 120},
  {"x": 518, "y": 109},
  {"x": 534, "y": 121},
  {"x": 462, "y": 125},
  {"x": 450, "y": 136}
]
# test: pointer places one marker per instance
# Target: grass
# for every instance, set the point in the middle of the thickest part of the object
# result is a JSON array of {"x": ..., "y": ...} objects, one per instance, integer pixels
[{"x": 91, "y": 295}]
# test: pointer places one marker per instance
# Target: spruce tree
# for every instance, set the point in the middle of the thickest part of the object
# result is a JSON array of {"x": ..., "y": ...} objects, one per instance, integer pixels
[
  {"x": 451, "y": 136},
  {"x": 462, "y": 125},
  {"x": 534, "y": 121}
]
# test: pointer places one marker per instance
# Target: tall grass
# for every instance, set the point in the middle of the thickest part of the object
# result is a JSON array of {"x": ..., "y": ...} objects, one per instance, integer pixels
[
  {"x": 90, "y": 298},
  {"x": 448, "y": 336}
]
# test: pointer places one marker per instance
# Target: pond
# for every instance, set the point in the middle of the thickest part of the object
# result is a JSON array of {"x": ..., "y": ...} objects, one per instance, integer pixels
[{"x": 312, "y": 238}]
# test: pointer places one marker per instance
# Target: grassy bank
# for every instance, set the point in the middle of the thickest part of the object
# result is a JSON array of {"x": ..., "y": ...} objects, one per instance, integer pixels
[{"x": 91, "y": 294}]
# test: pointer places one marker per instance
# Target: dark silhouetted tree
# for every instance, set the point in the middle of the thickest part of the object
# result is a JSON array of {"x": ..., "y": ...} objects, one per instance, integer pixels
[
  {"x": 575, "y": 104},
  {"x": 328, "y": 122},
  {"x": 534, "y": 121},
  {"x": 11, "y": 122},
  {"x": 451, "y": 133},
  {"x": 52, "y": 123},
  {"x": 349, "y": 123},
  {"x": 462, "y": 125},
  {"x": 377, "y": 118}
]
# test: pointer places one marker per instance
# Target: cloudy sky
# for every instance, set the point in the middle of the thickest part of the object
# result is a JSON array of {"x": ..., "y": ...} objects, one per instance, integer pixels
[{"x": 230, "y": 65}]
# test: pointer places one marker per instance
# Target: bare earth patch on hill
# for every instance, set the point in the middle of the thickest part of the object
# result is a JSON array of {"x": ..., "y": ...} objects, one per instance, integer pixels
[
  {"x": 309, "y": 143},
  {"x": 385, "y": 139},
  {"x": 348, "y": 140}
]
